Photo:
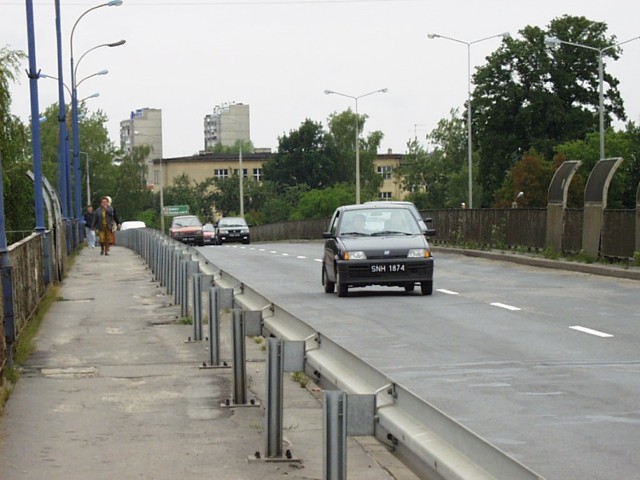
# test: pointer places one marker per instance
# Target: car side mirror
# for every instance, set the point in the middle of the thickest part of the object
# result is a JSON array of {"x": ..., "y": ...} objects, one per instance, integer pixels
[{"x": 328, "y": 235}]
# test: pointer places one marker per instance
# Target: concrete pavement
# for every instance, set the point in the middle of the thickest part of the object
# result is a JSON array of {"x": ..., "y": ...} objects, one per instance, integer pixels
[{"x": 114, "y": 391}]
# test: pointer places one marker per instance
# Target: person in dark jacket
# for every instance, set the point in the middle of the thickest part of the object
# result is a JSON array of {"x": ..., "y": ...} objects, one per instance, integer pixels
[{"x": 88, "y": 227}]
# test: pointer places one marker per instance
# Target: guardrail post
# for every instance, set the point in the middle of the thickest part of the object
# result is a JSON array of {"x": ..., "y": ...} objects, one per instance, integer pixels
[
  {"x": 334, "y": 435},
  {"x": 219, "y": 298},
  {"x": 282, "y": 356},
  {"x": 245, "y": 323},
  {"x": 344, "y": 415},
  {"x": 197, "y": 306}
]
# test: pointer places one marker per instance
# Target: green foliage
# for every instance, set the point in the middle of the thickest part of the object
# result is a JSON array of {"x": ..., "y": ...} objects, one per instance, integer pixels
[
  {"x": 439, "y": 179},
  {"x": 531, "y": 174},
  {"x": 306, "y": 156},
  {"x": 322, "y": 203},
  {"x": 528, "y": 95},
  {"x": 551, "y": 253},
  {"x": 245, "y": 145},
  {"x": 199, "y": 196},
  {"x": 636, "y": 259}
]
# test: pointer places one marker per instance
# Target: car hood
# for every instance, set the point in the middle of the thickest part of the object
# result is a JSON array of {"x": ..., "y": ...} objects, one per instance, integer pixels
[{"x": 380, "y": 244}]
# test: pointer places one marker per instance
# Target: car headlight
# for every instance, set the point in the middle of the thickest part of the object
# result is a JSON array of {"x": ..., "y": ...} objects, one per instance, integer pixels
[
  {"x": 357, "y": 255},
  {"x": 419, "y": 252}
]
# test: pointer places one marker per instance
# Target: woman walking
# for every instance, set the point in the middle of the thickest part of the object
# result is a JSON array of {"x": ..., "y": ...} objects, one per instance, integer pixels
[{"x": 106, "y": 223}]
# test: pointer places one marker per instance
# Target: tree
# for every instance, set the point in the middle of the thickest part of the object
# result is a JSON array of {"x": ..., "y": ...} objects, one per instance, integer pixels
[
  {"x": 342, "y": 127},
  {"x": 322, "y": 203},
  {"x": 306, "y": 156},
  {"x": 438, "y": 179},
  {"x": 531, "y": 174},
  {"x": 199, "y": 196},
  {"x": 19, "y": 203},
  {"x": 626, "y": 144},
  {"x": 528, "y": 95},
  {"x": 247, "y": 147}
]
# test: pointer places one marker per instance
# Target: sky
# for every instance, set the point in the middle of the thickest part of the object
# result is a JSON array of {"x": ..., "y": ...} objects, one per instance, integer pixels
[{"x": 186, "y": 57}]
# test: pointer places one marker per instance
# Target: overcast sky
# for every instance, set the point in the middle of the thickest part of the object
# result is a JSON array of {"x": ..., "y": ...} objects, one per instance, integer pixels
[{"x": 186, "y": 57}]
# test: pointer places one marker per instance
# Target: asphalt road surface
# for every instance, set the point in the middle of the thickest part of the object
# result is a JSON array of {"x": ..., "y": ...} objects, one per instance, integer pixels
[{"x": 544, "y": 364}]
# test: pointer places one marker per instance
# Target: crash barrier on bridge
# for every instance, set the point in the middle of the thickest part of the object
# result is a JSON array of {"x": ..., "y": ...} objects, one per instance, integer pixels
[{"x": 367, "y": 401}]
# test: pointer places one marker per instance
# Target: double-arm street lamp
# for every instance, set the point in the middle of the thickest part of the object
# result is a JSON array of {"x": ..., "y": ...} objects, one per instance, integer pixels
[
  {"x": 469, "y": 142},
  {"x": 63, "y": 152},
  {"x": 74, "y": 100},
  {"x": 554, "y": 41},
  {"x": 331, "y": 92}
]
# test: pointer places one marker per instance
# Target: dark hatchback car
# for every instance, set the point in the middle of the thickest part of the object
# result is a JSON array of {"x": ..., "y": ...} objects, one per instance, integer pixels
[
  {"x": 232, "y": 229},
  {"x": 376, "y": 245}
]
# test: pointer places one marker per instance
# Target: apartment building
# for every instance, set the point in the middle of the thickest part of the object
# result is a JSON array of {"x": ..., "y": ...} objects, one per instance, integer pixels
[
  {"x": 143, "y": 127},
  {"x": 226, "y": 125}
]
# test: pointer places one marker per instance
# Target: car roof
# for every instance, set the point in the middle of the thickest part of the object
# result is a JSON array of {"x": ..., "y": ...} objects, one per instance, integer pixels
[{"x": 374, "y": 206}]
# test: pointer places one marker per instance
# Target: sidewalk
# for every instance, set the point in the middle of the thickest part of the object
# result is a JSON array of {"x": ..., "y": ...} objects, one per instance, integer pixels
[{"x": 114, "y": 391}]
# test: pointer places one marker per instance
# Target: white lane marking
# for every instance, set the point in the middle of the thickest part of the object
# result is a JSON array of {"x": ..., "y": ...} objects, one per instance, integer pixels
[
  {"x": 317, "y": 260},
  {"x": 261, "y": 249},
  {"x": 448, "y": 292},
  {"x": 285, "y": 254},
  {"x": 273, "y": 251},
  {"x": 301, "y": 257},
  {"x": 505, "y": 306},
  {"x": 591, "y": 331}
]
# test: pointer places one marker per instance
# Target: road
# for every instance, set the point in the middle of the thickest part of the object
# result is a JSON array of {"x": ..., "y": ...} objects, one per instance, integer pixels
[{"x": 544, "y": 364}]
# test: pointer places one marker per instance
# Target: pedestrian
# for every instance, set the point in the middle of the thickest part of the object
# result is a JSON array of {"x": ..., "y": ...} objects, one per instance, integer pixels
[
  {"x": 106, "y": 223},
  {"x": 88, "y": 227}
]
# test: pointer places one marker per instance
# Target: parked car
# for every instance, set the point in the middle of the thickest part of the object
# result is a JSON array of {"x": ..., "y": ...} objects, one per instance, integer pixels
[
  {"x": 376, "y": 244},
  {"x": 209, "y": 232},
  {"x": 187, "y": 229},
  {"x": 132, "y": 224},
  {"x": 232, "y": 229},
  {"x": 425, "y": 223}
]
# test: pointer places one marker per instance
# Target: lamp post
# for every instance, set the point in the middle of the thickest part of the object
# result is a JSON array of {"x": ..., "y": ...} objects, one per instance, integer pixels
[
  {"x": 86, "y": 156},
  {"x": 554, "y": 41},
  {"x": 74, "y": 99},
  {"x": 332, "y": 92},
  {"x": 469, "y": 142}
]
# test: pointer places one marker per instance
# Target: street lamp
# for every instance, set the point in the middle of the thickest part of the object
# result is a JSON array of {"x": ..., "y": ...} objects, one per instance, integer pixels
[
  {"x": 554, "y": 41},
  {"x": 74, "y": 100},
  {"x": 331, "y": 92},
  {"x": 469, "y": 142},
  {"x": 65, "y": 169}
]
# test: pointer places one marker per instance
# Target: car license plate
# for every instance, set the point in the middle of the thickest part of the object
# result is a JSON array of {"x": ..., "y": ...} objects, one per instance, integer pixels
[{"x": 388, "y": 268}]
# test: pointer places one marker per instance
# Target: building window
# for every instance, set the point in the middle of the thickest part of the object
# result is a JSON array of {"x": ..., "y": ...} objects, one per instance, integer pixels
[
  {"x": 385, "y": 171},
  {"x": 156, "y": 177},
  {"x": 385, "y": 195},
  {"x": 236, "y": 171},
  {"x": 257, "y": 174},
  {"x": 221, "y": 173}
]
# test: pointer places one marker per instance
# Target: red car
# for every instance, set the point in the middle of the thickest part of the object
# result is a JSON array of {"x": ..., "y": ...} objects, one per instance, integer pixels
[{"x": 187, "y": 229}]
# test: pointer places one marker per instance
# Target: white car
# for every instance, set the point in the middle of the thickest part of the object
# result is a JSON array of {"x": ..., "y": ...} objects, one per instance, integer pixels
[{"x": 132, "y": 224}]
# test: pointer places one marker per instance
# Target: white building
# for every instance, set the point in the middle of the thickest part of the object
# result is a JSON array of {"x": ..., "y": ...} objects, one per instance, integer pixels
[
  {"x": 144, "y": 127},
  {"x": 226, "y": 125}
]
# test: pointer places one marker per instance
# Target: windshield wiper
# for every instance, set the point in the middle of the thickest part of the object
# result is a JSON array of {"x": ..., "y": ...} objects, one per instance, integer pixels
[
  {"x": 361, "y": 234},
  {"x": 390, "y": 232}
]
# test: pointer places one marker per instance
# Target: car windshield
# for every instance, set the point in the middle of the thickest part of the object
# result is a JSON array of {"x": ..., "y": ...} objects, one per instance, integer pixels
[
  {"x": 378, "y": 221},
  {"x": 232, "y": 222},
  {"x": 186, "y": 222}
]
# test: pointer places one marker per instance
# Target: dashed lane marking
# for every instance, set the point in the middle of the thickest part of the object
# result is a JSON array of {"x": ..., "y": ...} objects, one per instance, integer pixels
[{"x": 591, "y": 331}]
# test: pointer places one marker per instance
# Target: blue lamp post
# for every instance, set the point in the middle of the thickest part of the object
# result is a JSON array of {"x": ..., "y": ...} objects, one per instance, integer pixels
[{"x": 74, "y": 104}]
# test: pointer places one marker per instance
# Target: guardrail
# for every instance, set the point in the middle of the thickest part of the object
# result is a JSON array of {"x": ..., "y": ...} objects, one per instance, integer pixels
[{"x": 431, "y": 443}]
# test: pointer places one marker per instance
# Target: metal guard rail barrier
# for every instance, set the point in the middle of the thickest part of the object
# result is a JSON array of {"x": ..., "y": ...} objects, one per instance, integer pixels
[{"x": 428, "y": 441}]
